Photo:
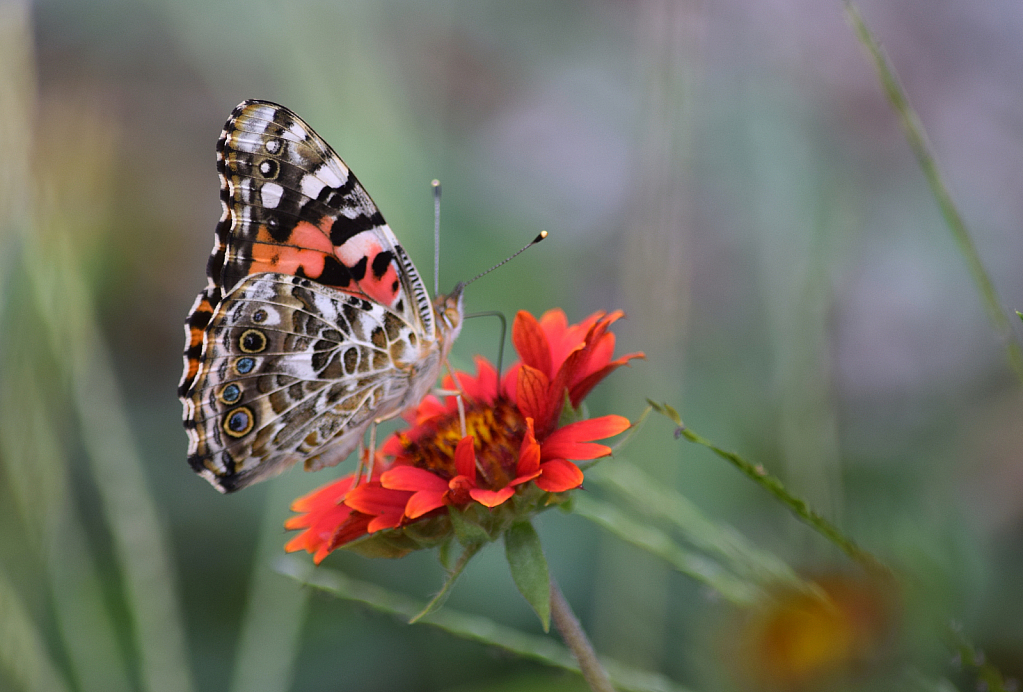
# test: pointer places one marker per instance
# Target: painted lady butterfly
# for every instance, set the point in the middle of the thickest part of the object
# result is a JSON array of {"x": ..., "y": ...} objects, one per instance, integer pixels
[{"x": 314, "y": 323}]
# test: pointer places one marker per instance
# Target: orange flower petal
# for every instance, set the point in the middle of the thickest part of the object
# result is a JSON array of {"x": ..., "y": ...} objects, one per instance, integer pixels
[
  {"x": 582, "y": 388},
  {"x": 570, "y": 442},
  {"x": 372, "y": 499},
  {"x": 580, "y": 451},
  {"x": 559, "y": 475},
  {"x": 531, "y": 394},
  {"x": 554, "y": 322},
  {"x": 529, "y": 452},
  {"x": 590, "y": 429},
  {"x": 356, "y": 526},
  {"x": 491, "y": 498},
  {"x": 429, "y": 407},
  {"x": 424, "y": 501},
  {"x": 519, "y": 480},
  {"x": 390, "y": 520},
  {"x": 483, "y": 387},
  {"x": 412, "y": 478},
  {"x": 324, "y": 496},
  {"x": 465, "y": 457},
  {"x": 531, "y": 342}
]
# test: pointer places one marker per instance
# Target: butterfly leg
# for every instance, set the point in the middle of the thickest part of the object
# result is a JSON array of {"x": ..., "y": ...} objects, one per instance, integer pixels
[
  {"x": 367, "y": 454},
  {"x": 461, "y": 405},
  {"x": 372, "y": 449},
  {"x": 457, "y": 393},
  {"x": 362, "y": 462},
  {"x": 372, "y": 456}
]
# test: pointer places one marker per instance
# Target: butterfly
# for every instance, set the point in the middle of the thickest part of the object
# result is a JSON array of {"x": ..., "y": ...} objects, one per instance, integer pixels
[{"x": 314, "y": 323}]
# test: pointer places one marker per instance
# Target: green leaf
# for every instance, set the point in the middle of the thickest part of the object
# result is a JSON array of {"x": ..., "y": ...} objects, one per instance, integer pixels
[
  {"x": 529, "y": 568},
  {"x": 1020, "y": 314}
]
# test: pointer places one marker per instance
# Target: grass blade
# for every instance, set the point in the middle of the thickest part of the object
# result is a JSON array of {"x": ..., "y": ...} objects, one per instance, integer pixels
[
  {"x": 658, "y": 503},
  {"x": 658, "y": 543},
  {"x": 22, "y": 652},
  {"x": 140, "y": 540},
  {"x": 275, "y": 612},
  {"x": 465, "y": 626},
  {"x": 914, "y": 132}
]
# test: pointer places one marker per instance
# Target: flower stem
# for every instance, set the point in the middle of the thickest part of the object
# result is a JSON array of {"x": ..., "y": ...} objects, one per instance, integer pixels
[{"x": 577, "y": 641}]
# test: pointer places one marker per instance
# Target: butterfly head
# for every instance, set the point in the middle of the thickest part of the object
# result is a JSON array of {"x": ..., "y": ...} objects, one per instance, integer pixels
[{"x": 448, "y": 312}]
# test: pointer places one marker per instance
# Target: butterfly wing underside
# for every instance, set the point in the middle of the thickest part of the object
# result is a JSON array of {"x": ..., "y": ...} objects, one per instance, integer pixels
[{"x": 313, "y": 323}]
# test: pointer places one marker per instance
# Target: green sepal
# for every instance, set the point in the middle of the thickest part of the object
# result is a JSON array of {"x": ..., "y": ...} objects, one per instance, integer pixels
[
  {"x": 395, "y": 543},
  {"x": 445, "y": 554},
  {"x": 566, "y": 503},
  {"x": 469, "y": 525},
  {"x": 529, "y": 568}
]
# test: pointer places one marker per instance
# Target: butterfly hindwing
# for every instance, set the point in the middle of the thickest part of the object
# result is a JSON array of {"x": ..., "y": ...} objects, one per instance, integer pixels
[{"x": 289, "y": 367}]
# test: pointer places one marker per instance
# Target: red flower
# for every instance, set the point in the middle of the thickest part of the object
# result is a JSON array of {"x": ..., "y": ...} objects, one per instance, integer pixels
[{"x": 511, "y": 442}]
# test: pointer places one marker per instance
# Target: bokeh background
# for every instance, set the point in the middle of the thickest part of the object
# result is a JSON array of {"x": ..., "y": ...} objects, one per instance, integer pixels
[{"x": 729, "y": 173}]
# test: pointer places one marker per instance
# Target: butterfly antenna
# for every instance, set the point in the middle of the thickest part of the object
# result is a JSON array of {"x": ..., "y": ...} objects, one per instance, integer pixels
[
  {"x": 436, "y": 236},
  {"x": 534, "y": 241}
]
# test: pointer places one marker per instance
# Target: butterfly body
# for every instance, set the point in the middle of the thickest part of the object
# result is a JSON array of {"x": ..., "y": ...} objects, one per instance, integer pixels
[{"x": 314, "y": 323}]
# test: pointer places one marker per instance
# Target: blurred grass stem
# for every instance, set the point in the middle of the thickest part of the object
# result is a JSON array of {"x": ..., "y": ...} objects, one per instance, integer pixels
[
  {"x": 917, "y": 140},
  {"x": 141, "y": 544},
  {"x": 796, "y": 505}
]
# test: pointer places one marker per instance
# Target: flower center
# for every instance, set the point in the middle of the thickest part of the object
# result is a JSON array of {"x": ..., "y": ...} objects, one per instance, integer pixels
[{"x": 497, "y": 429}]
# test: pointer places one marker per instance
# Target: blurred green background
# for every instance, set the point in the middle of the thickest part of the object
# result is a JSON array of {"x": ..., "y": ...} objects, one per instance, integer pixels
[{"x": 728, "y": 173}]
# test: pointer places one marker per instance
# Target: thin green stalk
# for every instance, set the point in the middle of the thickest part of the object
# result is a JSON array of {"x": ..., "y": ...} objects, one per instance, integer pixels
[
  {"x": 797, "y": 506},
  {"x": 914, "y": 132}
]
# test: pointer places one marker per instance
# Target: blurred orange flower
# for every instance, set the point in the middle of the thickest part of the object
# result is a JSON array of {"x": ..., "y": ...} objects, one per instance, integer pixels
[{"x": 800, "y": 640}]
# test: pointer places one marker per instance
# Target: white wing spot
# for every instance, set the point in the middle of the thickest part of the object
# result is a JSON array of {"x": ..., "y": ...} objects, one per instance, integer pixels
[
  {"x": 358, "y": 246},
  {"x": 271, "y": 194},
  {"x": 311, "y": 186},
  {"x": 329, "y": 176},
  {"x": 263, "y": 112},
  {"x": 272, "y": 145}
]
